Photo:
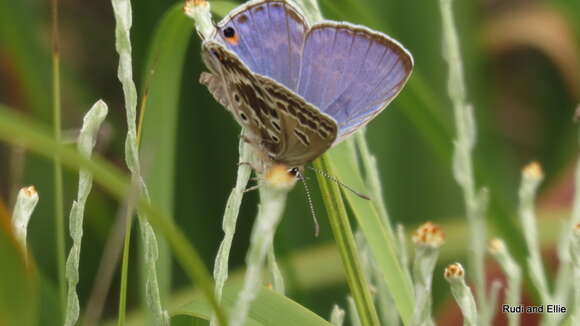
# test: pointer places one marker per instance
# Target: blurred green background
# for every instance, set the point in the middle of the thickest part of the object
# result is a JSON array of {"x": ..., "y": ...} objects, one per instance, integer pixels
[{"x": 522, "y": 65}]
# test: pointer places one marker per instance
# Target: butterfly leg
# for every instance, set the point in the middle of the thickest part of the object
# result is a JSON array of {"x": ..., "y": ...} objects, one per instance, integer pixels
[{"x": 252, "y": 188}]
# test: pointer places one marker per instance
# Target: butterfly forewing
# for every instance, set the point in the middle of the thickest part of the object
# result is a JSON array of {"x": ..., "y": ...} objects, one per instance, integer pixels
[
  {"x": 351, "y": 73},
  {"x": 268, "y": 36},
  {"x": 287, "y": 128}
]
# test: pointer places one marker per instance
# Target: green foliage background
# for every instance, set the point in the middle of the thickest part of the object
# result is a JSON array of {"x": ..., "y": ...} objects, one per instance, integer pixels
[{"x": 523, "y": 92}]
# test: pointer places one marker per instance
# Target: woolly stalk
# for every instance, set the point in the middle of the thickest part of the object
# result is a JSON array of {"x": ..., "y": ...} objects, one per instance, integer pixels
[
  {"x": 532, "y": 176},
  {"x": 337, "y": 316},
  {"x": 272, "y": 203},
  {"x": 513, "y": 273},
  {"x": 428, "y": 239},
  {"x": 23, "y": 209},
  {"x": 220, "y": 272},
  {"x": 455, "y": 275},
  {"x": 86, "y": 143},
  {"x": 123, "y": 18},
  {"x": 475, "y": 204}
]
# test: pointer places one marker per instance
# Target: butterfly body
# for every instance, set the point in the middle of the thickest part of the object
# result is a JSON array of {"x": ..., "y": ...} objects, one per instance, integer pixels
[{"x": 299, "y": 89}]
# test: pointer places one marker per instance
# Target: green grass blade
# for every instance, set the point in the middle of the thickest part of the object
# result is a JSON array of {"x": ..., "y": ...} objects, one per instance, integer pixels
[
  {"x": 379, "y": 235},
  {"x": 269, "y": 308},
  {"x": 344, "y": 237},
  {"x": 16, "y": 129},
  {"x": 160, "y": 111},
  {"x": 57, "y": 168}
]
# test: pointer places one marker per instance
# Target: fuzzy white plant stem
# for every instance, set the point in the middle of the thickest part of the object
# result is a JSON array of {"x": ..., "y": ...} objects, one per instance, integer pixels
[
  {"x": 475, "y": 204},
  {"x": 513, "y": 274},
  {"x": 531, "y": 179},
  {"x": 275, "y": 272},
  {"x": 220, "y": 272},
  {"x": 23, "y": 209},
  {"x": 428, "y": 238},
  {"x": 86, "y": 142},
  {"x": 425, "y": 261},
  {"x": 123, "y": 18},
  {"x": 272, "y": 203},
  {"x": 455, "y": 275},
  {"x": 337, "y": 316},
  {"x": 200, "y": 12}
]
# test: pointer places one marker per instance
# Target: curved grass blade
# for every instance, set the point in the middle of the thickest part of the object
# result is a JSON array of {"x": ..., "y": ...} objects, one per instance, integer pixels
[
  {"x": 19, "y": 130},
  {"x": 379, "y": 235},
  {"x": 344, "y": 238},
  {"x": 269, "y": 308},
  {"x": 159, "y": 120}
]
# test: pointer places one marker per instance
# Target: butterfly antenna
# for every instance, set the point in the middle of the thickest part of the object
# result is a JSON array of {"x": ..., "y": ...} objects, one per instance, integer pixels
[
  {"x": 309, "y": 198},
  {"x": 333, "y": 178}
]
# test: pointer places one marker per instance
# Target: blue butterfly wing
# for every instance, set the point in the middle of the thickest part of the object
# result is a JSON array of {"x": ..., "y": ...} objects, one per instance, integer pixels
[
  {"x": 268, "y": 36},
  {"x": 351, "y": 73}
]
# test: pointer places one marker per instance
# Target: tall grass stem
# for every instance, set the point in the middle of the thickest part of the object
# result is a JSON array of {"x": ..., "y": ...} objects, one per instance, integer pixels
[
  {"x": 58, "y": 183},
  {"x": 343, "y": 234}
]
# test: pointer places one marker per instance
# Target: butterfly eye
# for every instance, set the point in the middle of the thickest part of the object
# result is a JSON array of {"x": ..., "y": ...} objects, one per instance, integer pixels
[{"x": 294, "y": 171}]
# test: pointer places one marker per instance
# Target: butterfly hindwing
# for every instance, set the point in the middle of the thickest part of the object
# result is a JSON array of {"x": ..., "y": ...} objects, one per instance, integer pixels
[
  {"x": 351, "y": 73},
  {"x": 306, "y": 132},
  {"x": 268, "y": 36}
]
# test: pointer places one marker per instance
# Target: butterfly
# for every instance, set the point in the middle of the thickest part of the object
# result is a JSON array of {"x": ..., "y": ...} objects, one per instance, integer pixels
[{"x": 299, "y": 89}]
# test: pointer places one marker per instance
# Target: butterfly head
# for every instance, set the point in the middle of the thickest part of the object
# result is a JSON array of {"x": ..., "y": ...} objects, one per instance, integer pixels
[{"x": 282, "y": 176}]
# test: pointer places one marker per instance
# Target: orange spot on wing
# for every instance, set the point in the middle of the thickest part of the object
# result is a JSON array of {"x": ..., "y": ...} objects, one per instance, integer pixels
[{"x": 234, "y": 40}]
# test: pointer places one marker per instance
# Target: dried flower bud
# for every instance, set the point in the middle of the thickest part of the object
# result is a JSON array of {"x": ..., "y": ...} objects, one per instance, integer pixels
[
  {"x": 533, "y": 171},
  {"x": 200, "y": 12},
  {"x": 29, "y": 191},
  {"x": 496, "y": 246},
  {"x": 454, "y": 271},
  {"x": 191, "y": 4},
  {"x": 429, "y": 234}
]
